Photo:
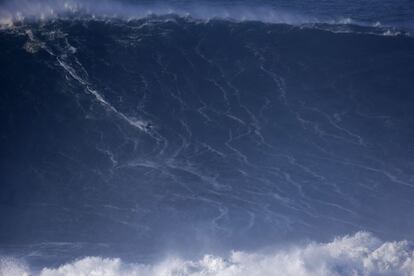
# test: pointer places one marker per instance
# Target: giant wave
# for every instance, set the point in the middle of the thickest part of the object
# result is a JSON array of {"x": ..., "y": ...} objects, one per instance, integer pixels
[{"x": 131, "y": 137}]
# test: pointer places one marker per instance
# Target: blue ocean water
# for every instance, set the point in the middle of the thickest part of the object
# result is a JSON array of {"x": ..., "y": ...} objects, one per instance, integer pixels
[{"x": 206, "y": 138}]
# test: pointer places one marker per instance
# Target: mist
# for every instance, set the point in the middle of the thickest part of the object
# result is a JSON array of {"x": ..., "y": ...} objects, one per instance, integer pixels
[{"x": 359, "y": 254}]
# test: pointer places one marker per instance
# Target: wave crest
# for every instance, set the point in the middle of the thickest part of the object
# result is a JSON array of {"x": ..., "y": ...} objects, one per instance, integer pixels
[
  {"x": 359, "y": 254},
  {"x": 43, "y": 10},
  {"x": 14, "y": 13}
]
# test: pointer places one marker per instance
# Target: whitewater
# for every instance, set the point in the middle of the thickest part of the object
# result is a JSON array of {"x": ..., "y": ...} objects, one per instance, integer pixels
[{"x": 360, "y": 254}]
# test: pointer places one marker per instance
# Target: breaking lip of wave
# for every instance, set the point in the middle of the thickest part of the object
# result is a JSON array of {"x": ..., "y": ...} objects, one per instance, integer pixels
[
  {"x": 359, "y": 254},
  {"x": 13, "y": 12}
]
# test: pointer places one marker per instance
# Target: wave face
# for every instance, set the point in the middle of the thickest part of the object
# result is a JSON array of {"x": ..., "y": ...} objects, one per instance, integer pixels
[{"x": 164, "y": 135}]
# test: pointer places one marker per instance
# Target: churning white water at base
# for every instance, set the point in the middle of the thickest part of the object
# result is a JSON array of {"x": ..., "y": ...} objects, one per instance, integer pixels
[{"x": 359, "y": 254}]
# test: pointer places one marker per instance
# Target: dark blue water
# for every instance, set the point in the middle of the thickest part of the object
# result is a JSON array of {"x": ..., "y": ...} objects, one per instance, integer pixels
[{"x": 199, "y": 131}]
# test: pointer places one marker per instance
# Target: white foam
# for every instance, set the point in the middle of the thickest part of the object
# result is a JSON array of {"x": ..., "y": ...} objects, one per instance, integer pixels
[
  {"x": 9, "y": 267},
  {"x": 359, "y": 254}
]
